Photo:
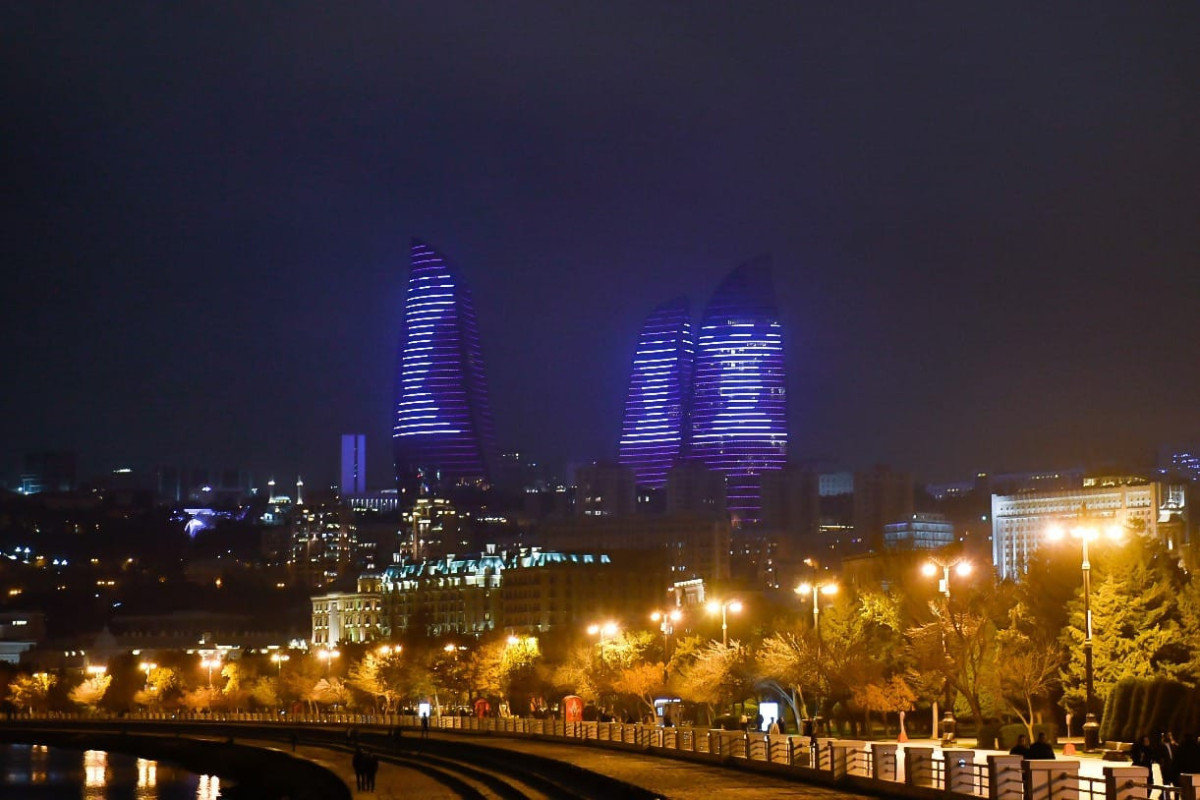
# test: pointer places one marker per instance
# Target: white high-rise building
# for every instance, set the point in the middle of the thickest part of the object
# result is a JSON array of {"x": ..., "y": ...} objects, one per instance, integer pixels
[{"x": 1020, "y": 522}]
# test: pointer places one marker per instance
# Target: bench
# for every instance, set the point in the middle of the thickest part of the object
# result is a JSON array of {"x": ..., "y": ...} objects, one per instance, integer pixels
[{"x": 1117, "y": 751}]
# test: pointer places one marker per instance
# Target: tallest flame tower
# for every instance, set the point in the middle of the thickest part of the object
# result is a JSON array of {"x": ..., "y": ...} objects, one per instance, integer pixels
[
  {"x": 739, "y": 401},
  {"x": 443, "y": 434}
]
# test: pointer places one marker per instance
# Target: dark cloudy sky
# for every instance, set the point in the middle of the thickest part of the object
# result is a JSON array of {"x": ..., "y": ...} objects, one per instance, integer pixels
[{"x": 985, "y": 218}]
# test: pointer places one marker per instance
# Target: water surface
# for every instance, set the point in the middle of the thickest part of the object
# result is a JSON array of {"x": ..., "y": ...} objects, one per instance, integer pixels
[{"x": 36, "y": 772}]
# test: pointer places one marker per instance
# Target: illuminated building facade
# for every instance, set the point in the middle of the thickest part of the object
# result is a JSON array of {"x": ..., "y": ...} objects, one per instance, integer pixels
[
  {"x": 443, "y": 433},
  {"x": 323, "y": 544},
  {"x": 1021, "y": 521},
  {"x": 923, "y": 531},
  {"x": 349, "y": 616},
  {"x": 654, "y": 430},
  {"x": 529, "y": 589},
  {"x": 739, "y": 403}
]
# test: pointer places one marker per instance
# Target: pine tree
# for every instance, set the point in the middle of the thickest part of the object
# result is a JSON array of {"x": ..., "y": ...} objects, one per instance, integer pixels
[{"x": 1135, "y": 621}]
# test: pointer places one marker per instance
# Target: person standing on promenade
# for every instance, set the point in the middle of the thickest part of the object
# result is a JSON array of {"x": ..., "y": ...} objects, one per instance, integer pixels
[
  {"x": 1041, "y": 748},
  {"x": 1021, "y": 748}
]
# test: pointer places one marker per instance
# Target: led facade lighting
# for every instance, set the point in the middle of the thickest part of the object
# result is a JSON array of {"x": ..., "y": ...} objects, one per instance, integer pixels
[
  {"x": 739, "y": 404},
  {"x": 443, "y": 433},
  {"x": 654, "y": 431}
]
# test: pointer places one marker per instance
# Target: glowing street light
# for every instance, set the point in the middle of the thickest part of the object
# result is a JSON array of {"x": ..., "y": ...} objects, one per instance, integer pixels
[
  {"x": 96, "y": 670},
  {"x": 604, "y": 630},
  {"x": 816, "y": 589},
  {"x": 1087, "y": 532},
  {"x": 724, "y": 607},
  {"x": 327, "y": 656},
  {"x": 209, "y": 663},
  {"x": 279, "y": 658},
  {"x": 389, "y": 649},
  {"x": 961, "y": 566}
]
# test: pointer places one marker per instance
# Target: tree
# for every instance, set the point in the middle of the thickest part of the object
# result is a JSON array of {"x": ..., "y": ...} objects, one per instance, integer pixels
[
  {"x": 232, "y": 694},
  {"x": 29, "y": 692},
  {"x": 1135, "y": 621},
  {"x": 265, "y": 692},
  {"x": 715, "y": 676},
  {"x": 91, "y": 691},
  {"x": 892, "y": 695},
  {"x": 1025, "y": 670},
  {"x": 642, "y": 681},
  {"x": 330, "y": 692},
  {"x": 787, "y": 662},
  {"x": 858, "y": 644},
  {"x": 578, "y": 674},
  {"x": 958, "y": 646},
  {"x": 381, "y": 676},
  {"x": 201, "y": 699}
]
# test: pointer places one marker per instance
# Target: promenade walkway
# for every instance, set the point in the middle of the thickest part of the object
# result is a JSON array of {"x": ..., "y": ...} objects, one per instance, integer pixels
[
  {"x": 667, "y": 777},
  {"x": 391, "y": 782}
]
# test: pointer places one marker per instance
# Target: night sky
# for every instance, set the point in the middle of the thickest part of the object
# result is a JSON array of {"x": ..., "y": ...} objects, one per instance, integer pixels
[{"x": 985, "y": 220}]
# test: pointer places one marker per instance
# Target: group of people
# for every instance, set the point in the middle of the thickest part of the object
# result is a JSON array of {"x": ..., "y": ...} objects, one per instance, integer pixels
[
  {"x": 365, "y": 766},
  {"x": 1173, "y": 758},
  {"x": 1038, "y": 750}
]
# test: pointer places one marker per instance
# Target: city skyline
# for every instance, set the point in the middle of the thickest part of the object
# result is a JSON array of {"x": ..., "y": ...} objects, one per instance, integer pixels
[{"x": 983, "y": 223}]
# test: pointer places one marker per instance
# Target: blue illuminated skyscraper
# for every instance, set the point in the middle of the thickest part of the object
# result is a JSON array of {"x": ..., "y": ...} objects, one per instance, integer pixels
[
  {"x": 739, "y": 403},
  {"x": 653, "y": 435},
  {"x": 443, "y": 433}
]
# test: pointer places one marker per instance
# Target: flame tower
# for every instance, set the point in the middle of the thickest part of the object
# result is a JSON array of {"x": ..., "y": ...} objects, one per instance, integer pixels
[
  {"x": 443, "y": 433},
  {"x": 739, "y": 404},
  {"x": 654, "y": 431}
]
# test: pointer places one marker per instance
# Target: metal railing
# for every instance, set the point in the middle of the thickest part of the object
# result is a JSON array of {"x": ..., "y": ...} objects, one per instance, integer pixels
[{"x": 851, "y": 759}]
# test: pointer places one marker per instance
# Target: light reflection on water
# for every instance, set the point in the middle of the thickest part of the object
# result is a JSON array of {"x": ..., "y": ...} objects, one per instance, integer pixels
[{"x": 45, "y": 773}]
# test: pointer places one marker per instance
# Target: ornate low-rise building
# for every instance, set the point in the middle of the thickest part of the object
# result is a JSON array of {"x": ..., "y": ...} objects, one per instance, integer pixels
[
  {"x": 349, "y": 616},
  {"x": 530, "y": 590}
]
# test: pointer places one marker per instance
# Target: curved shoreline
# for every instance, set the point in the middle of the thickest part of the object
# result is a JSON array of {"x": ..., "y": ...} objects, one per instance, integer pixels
[{"x": 251, "y": 772}]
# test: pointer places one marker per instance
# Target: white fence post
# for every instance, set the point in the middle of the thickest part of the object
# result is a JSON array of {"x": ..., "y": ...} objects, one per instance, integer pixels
[
  {"x": 1005, "y": 780},
  {"x": 883, "y": 762},
  {"x": 959, "y": 770},
  {"x": 918, "y": 766},
  {"x": 1126, "y": 783},
  {"x": 1051, "y": 780}
]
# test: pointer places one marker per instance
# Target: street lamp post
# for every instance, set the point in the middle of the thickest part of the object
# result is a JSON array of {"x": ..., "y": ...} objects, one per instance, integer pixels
[
  {"x": 725, "y": 607},
  {"x": 666, "y": 625},
  {"x": 962, "y": 568},
  {"x": 603, "y": 630},
  {"x": 1086, "y": 533},
  {"x": 816, "y": 589},
  {"x": 327, "y": 656},
  {"x": 209, "y": 663},
  {"x": 279, "y": 658}
]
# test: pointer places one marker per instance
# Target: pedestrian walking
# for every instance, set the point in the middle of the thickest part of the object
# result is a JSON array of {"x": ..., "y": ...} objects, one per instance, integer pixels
[
  {"x": 773, "y": 728},
  {"x": 359, "y": 762},
  {"x": 1187, "y": 756},
  {"x": 372, "y": 766},
  {"x": 425, "y": 726},
  {"x": 1167, "y": 750},
  {"x": 1143, "y": 753},
  {"x": 1021, "y": 748}
]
